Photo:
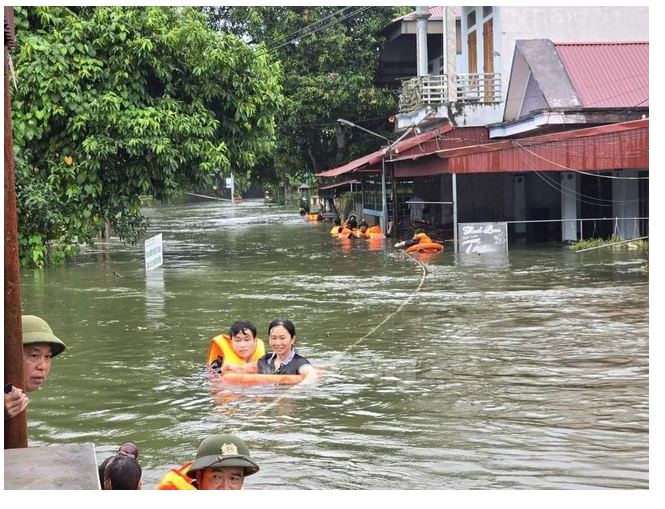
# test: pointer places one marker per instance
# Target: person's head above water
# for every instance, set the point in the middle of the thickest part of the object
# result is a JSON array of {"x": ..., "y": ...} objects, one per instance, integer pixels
[{"x": 222, "y": 463}]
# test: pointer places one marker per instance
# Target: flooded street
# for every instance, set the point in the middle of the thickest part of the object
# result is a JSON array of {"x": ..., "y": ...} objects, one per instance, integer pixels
[{"x": 520, "y": 370}]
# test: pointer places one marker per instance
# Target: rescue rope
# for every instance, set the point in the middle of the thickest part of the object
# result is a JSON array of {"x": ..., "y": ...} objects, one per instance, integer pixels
[{"x": 277, "y": 400}]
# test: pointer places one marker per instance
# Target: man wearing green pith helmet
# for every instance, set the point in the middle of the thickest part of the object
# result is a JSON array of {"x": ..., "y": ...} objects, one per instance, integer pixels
[
  {"x": 222, "y": 463},
  {"x": 40, "y": 345}
]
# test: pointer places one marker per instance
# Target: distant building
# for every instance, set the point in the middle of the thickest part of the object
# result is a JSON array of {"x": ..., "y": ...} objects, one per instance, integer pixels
[{"x": 541, "y": 120}]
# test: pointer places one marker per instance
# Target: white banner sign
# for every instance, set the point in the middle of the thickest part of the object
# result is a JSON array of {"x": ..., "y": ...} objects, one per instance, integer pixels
[
  {"x": 153, "y": 252},
  {"x": 482, "y": 237}
]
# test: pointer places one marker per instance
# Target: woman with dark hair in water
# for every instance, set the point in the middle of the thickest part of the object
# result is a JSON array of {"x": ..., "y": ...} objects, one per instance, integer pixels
[{"x": 284, "y": 360}]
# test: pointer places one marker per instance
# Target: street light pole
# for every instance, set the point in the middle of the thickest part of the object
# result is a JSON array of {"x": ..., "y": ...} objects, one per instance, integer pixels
[{"x": 384, "y": 200}]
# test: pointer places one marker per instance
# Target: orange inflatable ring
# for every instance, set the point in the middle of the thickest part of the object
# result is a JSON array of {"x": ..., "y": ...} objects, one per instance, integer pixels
[
  {"x": 425, "y": 247},
  {"x": 256, "y": 379}
]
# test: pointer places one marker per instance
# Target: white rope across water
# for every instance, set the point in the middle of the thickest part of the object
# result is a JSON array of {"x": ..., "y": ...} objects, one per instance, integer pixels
[
  {"x": 401, "y": 306},
  {"x": 277, "y": 400}
]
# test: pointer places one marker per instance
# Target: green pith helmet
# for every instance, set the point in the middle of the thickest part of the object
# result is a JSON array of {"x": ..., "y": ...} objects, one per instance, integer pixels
[
  {"x": 220, "y": 451},
  {"x": 36, "y": 330}
]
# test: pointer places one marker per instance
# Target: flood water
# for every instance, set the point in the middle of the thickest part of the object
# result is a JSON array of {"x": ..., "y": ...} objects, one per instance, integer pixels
[{"x": 521, "y": 370}]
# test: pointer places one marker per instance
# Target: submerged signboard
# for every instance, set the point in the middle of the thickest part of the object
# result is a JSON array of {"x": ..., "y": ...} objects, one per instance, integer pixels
[
  {"x": 153, "y": 252},
  {"x": 482, "y": 237}
]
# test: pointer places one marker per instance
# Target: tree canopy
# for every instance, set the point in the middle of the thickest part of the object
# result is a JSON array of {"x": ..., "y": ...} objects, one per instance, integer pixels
[
  {"x": 330, "y": 59},
  {"x": 117, "y": 102}
]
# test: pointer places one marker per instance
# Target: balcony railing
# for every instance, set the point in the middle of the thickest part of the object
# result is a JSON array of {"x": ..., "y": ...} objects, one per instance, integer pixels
[{"x": 432, "y": 90}]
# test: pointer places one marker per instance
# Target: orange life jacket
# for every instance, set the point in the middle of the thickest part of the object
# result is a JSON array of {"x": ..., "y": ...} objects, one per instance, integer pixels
[
  {"x": 374, "y": 229},
  {"x": 423, "y": 237},
  {"x": 220, "y": 346},
  {"x": 177, "y": 479}
]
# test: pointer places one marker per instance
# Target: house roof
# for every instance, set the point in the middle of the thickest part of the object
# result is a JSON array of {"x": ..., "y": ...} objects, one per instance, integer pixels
[
  {"x": 616, "y": 146},
  {"x": 375, "y": 158},
  {"x": 554, "y": 85},
  {"x": 369, "y": 159},
  {"x": 623, "y": 145},
  {"x": 608, "y": 74}
]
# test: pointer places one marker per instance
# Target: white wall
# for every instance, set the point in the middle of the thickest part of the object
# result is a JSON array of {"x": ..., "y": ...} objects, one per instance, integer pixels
[{"x": 559, "y": 24}]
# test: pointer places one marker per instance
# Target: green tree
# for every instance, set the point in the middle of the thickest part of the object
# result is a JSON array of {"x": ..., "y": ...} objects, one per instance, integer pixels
[
  {"x": 330, "y": 58},
  {"x": 118, "y": 102}
]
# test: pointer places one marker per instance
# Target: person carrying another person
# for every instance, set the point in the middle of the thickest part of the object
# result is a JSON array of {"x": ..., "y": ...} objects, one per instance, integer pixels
[
  {"x": 222, "y": 462},
  {"x": 419, "y": 237},
  {"x": 229, "y": 352},
  {"x": 40, "y": 345},
  {"x": 284, "y": 360},
  {"x": 121, "y": 471}
]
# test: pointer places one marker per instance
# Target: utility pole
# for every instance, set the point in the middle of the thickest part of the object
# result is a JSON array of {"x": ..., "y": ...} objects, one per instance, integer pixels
[{"x": 16, "y": 429}]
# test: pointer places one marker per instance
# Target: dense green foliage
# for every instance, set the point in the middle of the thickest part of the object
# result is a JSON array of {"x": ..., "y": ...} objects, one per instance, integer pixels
[
  {"x": 330, "y": 60},
  {"x": 117, "y": 102}
]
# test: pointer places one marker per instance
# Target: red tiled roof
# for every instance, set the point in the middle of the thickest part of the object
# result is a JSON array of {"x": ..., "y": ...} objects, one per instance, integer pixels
[{"x": 608, "y": 75}]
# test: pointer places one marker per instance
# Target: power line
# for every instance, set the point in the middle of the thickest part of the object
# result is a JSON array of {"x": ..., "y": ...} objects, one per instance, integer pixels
[
  {"x": 276, "y": 42},
  {"x": 311, "y": 29}
]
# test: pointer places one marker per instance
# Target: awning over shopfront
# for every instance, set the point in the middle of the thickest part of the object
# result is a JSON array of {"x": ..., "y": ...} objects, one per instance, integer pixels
[
  {"x": 338, "y": 184},
  {"x": 368, "y": 160},
  {"x": 618, "y": 146},
  {"x": 330, "y": 190},
  {"x": 372, "y": 161}
]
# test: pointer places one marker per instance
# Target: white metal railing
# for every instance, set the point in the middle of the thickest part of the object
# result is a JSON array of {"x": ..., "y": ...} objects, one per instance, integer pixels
[{"x": 433, "y": 90}]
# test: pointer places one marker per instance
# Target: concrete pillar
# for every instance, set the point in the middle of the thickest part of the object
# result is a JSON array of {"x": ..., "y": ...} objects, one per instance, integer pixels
[
  {"x": 422, "y": 15},
  {"x": 519, "y": 203},
  {"x": 569, "y": 192},
  {"x": 626, "y": 204},
  {"x": 450, "y": 51}
]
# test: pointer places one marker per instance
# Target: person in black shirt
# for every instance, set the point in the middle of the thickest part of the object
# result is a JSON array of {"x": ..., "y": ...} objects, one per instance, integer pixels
[{"x": 284, "y": 360}]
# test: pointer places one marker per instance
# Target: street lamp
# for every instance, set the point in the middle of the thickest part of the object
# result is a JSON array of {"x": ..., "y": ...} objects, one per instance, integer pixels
[{"x": 384, "y": 201}]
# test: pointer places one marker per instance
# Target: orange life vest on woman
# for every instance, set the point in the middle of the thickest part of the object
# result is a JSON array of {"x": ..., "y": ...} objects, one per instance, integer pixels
[
  {"x": 220, "y": 346},
  {"x": 177, "y": 479}
]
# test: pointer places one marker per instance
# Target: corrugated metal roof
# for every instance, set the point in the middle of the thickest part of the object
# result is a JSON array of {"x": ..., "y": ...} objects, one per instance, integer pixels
[
  {"x": 446, "y": 139},
  {"x": 376, "y": 157},
  {"x": 372, "y": 158},
  {"x": 610, "y": 75},
  {"x": 609, "y": 147}
]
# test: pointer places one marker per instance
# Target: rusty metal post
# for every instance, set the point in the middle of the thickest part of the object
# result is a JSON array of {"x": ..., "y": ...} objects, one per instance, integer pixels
[{"x": 16, "y": 429}]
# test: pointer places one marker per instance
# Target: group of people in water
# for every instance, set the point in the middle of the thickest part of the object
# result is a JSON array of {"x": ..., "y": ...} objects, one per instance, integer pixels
[
  {"x": 352, "y": 229},
  {"x": 222, "y": 461},
  {"x": 241, "y": 351}
]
